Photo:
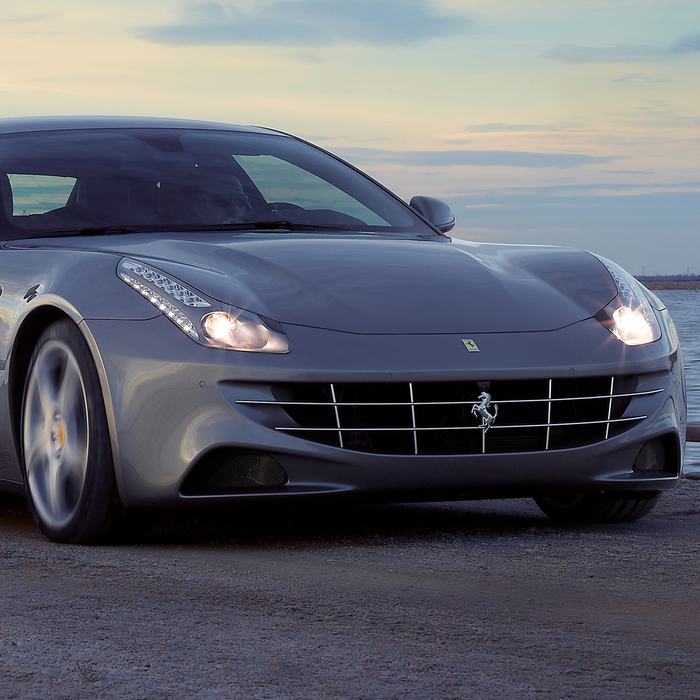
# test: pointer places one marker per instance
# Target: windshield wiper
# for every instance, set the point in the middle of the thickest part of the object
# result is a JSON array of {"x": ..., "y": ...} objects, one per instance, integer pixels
[
  {"x": 85, "y": 231},
  {"x": 274, "y": 225},
  {"x": 107, "y": 230},
  {"x": 281, "y": 225}
]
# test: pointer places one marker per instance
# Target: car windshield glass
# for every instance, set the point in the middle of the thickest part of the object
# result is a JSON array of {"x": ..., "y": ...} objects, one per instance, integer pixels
[{"x": 175, "y": 179}]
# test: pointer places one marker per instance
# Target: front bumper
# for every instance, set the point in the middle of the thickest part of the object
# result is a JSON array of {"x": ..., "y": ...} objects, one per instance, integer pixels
[{"x": 171, "y": 402}]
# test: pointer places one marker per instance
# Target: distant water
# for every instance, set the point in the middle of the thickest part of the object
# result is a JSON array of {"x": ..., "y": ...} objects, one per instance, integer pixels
[{"x": 684, "y": 306}]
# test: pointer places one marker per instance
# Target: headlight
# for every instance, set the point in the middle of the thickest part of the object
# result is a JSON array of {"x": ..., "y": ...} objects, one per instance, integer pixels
[
  {"x": 629, "y": 317},
  {"x": 222, "y": 326},
  {"x": 241, "y": 330}
]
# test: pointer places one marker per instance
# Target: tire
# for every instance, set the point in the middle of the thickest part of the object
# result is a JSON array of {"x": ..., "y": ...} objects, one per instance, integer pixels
[
  {"x": 66, "y": 452},
  {"x": 620, "y": 507}
]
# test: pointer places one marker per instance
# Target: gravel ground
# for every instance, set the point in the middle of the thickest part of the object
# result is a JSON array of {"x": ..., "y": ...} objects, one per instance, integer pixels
[{"x": 469, "y": 600}]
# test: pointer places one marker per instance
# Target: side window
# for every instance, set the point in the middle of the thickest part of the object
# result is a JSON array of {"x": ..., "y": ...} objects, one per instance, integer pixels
[
  {"x": 281, "y": 181},
  {"x": 37, "y": 194}
]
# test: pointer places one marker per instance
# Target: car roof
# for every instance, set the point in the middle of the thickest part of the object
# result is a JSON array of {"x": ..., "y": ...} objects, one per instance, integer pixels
[{"x": 60, "y": 123}]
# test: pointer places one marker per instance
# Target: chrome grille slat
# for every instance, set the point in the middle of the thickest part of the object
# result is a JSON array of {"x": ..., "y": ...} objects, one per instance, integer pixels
[
  {"x": 253, "y": 402},
  {"x": 610, "y": 405},
  {"x": 436, "y": 418},
  {"x": 337, "y": 416},
  {"x": 413, "y": 419},
  {"x": 549, "y": 413},
  {"x": 463, "y": 427}
]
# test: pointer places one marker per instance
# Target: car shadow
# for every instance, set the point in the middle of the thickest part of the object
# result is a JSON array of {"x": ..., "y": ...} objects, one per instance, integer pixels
[
  {"x": 270, "y": 526},
  {"x": 330, "y": 526}
]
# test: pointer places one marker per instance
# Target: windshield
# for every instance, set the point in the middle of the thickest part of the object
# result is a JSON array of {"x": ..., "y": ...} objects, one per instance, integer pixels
[{"x": 123, "y": 180}]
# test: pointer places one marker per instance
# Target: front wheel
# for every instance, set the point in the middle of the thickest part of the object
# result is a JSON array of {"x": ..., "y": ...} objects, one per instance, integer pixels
[
  {"x": 621, "y": 507},
  {"x": 67, "y": 457}
]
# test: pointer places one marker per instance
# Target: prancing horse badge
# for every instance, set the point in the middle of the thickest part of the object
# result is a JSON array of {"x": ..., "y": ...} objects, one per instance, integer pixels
[
  {"x": 482, "y": 409},
  {"x": 470, "y": 345}
]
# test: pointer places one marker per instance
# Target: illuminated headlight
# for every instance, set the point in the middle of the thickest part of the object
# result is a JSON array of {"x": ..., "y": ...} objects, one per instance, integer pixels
[
  {"x": 629, "y": 317},
  {"x": 227, "y": 327},
  {"x": 241, "y": 330}
]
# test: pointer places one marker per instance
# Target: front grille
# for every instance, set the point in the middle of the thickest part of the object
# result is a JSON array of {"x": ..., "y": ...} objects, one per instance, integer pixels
[{"x": 438, "y": 418}]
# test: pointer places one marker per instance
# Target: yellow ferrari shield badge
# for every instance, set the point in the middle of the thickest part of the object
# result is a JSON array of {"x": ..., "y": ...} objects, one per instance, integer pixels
[{"x": 470, "y": 345}]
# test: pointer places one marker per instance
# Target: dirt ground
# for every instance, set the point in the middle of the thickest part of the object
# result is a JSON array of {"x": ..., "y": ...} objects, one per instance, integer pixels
[{"x": 466, "y": 600}]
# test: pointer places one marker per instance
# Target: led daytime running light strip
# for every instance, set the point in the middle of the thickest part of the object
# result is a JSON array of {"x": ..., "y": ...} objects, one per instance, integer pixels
[
  {"x": 164, "y": 306},
  {"x": 627, "y": 294},
  {"x": 627, "y": 287},
  {"x": 175, "y": 290}
]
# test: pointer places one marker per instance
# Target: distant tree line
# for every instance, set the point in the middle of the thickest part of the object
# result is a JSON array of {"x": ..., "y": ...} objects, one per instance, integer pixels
[{"x": 668, "y": 278}]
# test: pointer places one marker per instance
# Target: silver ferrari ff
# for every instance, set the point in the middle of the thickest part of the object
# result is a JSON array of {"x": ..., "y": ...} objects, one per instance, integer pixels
[{"x": 200, "y": 313}]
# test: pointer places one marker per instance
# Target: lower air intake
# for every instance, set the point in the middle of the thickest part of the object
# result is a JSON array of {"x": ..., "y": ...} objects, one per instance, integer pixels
[
  {"x": 660, "y": 455},
  {"x": 225, "y": 471}
]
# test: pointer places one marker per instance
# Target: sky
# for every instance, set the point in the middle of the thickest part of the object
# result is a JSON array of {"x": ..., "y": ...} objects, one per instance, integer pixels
[{"x": 567, "y": 122}]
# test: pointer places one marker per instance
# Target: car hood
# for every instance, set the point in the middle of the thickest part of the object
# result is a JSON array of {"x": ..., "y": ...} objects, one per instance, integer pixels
[{"x": 370, "y": 284}]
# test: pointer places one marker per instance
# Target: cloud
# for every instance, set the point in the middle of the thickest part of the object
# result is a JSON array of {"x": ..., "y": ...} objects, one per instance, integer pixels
[
  {"x": 308, "y": 57},
  {"x": 310, "y": 23},
  {"x": 500, "y": 126},
  {"x": 29, "y": 18},
  {"x": 513, "y": 159},
  {"x": 553, "y": 193},
  {"x": 622, "y": 53},
  {"x": 636, "y": 79},
  {"x": 617, "y": 53},
  {"x": 690, "y": 44}
]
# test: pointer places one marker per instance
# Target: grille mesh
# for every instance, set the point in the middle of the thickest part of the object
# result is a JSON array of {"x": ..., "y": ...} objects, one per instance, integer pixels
[
  {"x": 228, "y": 470},
  {"x": 656, "y": 456},
  {"x": 438, "y": 418}
]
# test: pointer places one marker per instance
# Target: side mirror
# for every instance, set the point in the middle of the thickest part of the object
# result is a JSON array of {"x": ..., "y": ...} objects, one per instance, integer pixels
[{"x": 435, "y": 211}]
